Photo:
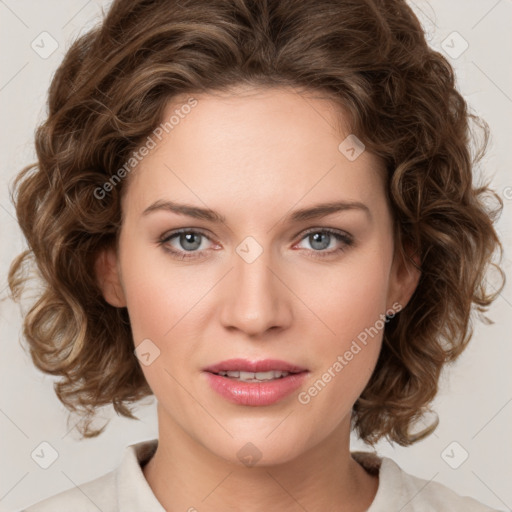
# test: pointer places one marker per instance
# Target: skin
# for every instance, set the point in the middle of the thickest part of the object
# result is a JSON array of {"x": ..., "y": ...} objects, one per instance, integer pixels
[{"x": 254, "y": 156}]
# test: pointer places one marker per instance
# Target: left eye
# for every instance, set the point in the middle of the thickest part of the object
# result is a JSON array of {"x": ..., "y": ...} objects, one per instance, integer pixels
[{"x": 321, "y": 239}]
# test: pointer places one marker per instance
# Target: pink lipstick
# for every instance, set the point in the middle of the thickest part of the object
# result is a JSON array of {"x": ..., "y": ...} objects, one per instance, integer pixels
[{"x": 255, "y": 383}]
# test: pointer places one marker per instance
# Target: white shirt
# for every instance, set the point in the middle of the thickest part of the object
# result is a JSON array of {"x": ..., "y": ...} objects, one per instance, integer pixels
[{"x": 125, "y": 489}]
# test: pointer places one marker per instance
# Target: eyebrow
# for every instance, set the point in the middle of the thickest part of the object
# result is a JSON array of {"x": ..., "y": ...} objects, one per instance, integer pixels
[{"x": 313, "y": 212}]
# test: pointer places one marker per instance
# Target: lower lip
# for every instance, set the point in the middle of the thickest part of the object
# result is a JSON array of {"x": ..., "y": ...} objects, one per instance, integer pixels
[{"x": 255, "y": 393}]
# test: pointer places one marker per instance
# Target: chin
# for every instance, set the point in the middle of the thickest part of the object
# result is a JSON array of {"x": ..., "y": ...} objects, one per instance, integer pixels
[{"x": 256, "y": 450}]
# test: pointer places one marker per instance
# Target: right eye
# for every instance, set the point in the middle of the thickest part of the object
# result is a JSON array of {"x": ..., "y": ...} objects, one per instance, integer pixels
[{"x": 187, "y": 243}]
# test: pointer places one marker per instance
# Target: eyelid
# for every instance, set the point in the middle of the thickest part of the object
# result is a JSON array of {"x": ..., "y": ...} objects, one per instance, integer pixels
[
  {"x": 177, "y": 231},
  {"x": 303, "y": 233},
  {"x": 346, "y": 239},
  {"x": 166, "y": 237},
  {"x": 333, "y": 231}
]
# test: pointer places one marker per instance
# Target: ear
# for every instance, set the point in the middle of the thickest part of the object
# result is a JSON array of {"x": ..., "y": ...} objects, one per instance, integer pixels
[
  {"x": 404, "y": 276},
  {"x": 108, "y": 277}
]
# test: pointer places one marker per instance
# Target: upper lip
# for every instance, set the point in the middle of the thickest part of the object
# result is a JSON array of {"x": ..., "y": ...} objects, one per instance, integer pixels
[{"x": 263, "y": 365}]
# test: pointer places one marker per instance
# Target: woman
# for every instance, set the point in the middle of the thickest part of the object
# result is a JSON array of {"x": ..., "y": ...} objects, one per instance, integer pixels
[{"x": 263, "y": 214}]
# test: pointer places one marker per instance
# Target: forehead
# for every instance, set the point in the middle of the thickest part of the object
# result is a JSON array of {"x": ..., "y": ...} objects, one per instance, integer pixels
[{"x": 254, "y": 147}]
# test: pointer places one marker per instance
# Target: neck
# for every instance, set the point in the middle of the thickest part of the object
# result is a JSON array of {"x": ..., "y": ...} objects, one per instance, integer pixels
[{"x": 185, "y": 475}]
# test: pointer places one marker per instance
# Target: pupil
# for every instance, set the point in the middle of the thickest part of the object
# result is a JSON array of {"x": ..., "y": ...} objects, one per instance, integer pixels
[
  {"x": 188, "y": 238},
  {"x": 317, "y": 239}
]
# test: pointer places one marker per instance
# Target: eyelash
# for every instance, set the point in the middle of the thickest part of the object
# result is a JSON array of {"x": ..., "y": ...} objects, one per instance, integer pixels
[{"x": 190, "y": 255}]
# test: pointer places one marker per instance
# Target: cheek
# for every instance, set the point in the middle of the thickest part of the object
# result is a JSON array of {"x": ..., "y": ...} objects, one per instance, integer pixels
[
  {"x": 347, "y": 358},
  {"x": 147, "y": 306},
  {"x": 349, "y": 298},
  {"x": 357, "y": 321},
  {"x": 362, "y": 302},
  {"x": 158, "y": 294},
  {"x": 351, "y": 303},
  {"x": 165, "y": 306},
  {"x": 159, "y": 308}
]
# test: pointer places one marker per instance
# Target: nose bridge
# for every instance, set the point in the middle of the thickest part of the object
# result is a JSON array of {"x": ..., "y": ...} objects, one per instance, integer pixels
[{"x": 255, "y": 300}]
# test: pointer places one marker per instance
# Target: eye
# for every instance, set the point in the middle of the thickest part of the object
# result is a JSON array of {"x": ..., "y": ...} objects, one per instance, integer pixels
[
  {"x": 187, "y": 243},
  {"x": 321, "y": 239}
]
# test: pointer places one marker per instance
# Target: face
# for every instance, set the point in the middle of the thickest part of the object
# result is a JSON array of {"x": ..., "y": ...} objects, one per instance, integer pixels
[{"x": 265, "y": 282}]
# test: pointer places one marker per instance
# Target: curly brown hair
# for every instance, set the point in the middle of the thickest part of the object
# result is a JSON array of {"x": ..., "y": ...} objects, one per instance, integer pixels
[{"x": 368, "y": 56}]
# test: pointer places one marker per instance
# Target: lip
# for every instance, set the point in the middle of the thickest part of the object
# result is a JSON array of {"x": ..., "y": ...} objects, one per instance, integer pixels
[
  {"x": 263, "y": 365},
  {"x": 255, "y": 393}
]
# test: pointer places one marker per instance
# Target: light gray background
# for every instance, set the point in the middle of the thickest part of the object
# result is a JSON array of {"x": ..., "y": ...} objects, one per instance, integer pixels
[{"x": 474, "y": 403}]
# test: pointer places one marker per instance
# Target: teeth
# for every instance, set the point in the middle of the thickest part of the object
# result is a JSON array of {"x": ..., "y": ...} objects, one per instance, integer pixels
[{"x": 254, "y": 376}]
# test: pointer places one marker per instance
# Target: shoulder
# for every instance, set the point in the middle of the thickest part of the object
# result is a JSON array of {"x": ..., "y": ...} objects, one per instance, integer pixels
[
  {"x": 97, "y": 494},
  {"x": 124, "y": 488},
  {"x": 399, "y": 490}
]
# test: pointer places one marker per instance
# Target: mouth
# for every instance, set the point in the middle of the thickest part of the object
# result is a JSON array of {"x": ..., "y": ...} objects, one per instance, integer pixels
[
  {"x": 254, "y": 371},
  {"x": 255, "y": 383},
  {"x": 254, "y": 376}
]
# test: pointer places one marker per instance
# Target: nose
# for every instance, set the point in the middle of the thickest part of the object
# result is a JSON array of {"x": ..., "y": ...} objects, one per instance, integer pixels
[{"x": 255, "y": 298}]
